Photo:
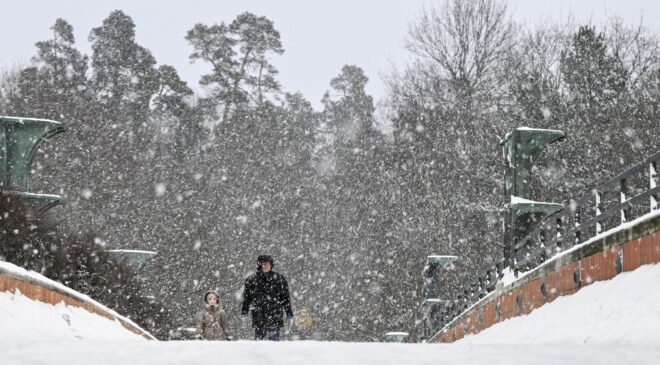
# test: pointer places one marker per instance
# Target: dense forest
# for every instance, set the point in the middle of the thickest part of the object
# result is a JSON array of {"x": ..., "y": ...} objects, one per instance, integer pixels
[{"x": 212, "y": 178}]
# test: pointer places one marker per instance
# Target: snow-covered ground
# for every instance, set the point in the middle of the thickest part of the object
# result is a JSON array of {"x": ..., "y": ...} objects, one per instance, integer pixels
[
  {"x": 319, "y": 353},
  {"x": 23, "y": 320},
  {"x": 609, "y": 322},
  {"x": 622, "y": 311},
  {"x": 31, "y": 276}
]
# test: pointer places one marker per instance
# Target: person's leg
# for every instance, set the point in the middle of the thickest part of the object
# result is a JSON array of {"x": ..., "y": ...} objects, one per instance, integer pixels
[
  {"x": 273, "y": 334},
  {"x": 260, "y": 333}
]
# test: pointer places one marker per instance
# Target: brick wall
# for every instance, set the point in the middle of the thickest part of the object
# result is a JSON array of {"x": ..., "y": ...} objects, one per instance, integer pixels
[{"x": 564, "y": 281}]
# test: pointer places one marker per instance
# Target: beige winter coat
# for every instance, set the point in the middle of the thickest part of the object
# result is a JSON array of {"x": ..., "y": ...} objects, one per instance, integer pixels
[{"x": 213, "y": 323}]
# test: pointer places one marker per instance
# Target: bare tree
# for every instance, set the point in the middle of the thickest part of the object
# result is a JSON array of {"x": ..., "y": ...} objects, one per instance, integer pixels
[
  {"x": 468, "y": 42},
  {"x": 636, "y": 48}
]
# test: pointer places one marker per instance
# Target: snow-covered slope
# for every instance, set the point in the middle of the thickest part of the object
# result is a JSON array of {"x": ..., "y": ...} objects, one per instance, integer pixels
[
  {"x": 623, "y": 310},
  {"x": 23, "y": 319}
]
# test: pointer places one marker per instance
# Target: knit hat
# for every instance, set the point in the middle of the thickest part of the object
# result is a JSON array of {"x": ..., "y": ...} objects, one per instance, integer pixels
[{"x": 264, "y": 258}]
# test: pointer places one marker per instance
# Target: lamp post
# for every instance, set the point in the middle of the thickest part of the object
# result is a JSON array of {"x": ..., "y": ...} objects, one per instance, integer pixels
[
  {"x": 519, "y": 150},
  {"x": 431, "y": 279}
]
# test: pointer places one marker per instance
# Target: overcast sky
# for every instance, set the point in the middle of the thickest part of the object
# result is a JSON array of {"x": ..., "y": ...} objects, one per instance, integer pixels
[{"x": 318, "y": 36}]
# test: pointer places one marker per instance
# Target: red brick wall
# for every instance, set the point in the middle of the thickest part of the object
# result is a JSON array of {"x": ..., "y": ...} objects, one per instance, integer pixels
[
  {"x": 474, "y": 322},
  {"x": 562, "y": 282},
  {"x": 509, "y": 305},
  {"x": 447, "y": 336},
  {"x": 532, "y": 296},
  {"x": 645, "y": 250},
  {"x": 459, "y": 330},
  {"x": 599, "y": 266},
  {"x": 489, "y": 313}
]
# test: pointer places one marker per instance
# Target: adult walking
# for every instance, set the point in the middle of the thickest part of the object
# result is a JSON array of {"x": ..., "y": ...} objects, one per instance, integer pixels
[
  {"x": 212, "y": 320},
  {"x": 266, "y": 295}
]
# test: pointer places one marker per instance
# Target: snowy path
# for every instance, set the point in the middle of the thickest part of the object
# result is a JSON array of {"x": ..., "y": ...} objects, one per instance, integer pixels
[
  {"x": 609, "y": 322},
  {"x": 317, "y": 353}
]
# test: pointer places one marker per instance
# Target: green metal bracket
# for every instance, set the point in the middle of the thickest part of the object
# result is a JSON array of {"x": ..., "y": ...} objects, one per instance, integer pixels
[
  {"x": 526, "y": 208},
  {"x": 525, "y": 216},
  {"x": 20, "y": 138},
  {"x": 522, "y": 215},
  {"x": 520, "y": 148}
]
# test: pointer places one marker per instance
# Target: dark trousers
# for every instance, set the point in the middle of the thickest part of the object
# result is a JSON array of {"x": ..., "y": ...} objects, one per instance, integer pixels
[{"x": 270, "y": 334}]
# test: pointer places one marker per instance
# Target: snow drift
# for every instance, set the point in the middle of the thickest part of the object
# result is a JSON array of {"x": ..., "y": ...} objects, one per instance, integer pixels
[
  {"x": 23, "y": 319},
  {"x": 623, "y": 310}
]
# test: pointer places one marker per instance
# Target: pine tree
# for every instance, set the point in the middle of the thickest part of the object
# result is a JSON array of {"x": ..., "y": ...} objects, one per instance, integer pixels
[
  {"x": 238, "y": 52},
  {"x": 55, "y": 87},
  {"x": 124, "y": 74},
  {"x": 594, "y": 78}
]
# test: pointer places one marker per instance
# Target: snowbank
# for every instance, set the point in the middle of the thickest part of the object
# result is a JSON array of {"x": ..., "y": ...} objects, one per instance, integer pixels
[
  {"x": 623, "y": 310},
  {"x": 11, "y": 270},
  {"x": 23, "y": 319}
]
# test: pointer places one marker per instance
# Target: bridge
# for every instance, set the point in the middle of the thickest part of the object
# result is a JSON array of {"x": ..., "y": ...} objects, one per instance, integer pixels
[{"x": 576, "y": 284}]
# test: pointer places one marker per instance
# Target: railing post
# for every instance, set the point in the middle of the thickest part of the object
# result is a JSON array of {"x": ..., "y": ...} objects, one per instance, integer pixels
[
  {"x": 578, "y": 219},
  {"x": 490, "y": 280},
  {"x": 528, "y": 254},
  {"x": 624, "y": 192},
  {"x": 543, "y": 248},
  {"x": 543, "y": 238},
  {"x": 560, "y": 233},
  {"x": 653, "y": 173},
  {"x": 599, "y": 227}
]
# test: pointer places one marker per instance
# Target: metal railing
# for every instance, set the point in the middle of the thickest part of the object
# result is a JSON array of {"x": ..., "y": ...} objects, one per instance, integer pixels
[
  {"x": 470, "y": 294},
  {"x": 622, "y": 199}
]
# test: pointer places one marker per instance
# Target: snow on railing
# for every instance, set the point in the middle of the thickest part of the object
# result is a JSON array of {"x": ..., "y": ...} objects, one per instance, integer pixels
[{"x": 624, "y": 198}]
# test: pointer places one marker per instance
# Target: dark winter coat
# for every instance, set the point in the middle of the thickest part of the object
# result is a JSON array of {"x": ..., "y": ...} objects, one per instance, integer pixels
[
  {"x": 267, "y": 294},
  {"x": 213, "y": 323}
]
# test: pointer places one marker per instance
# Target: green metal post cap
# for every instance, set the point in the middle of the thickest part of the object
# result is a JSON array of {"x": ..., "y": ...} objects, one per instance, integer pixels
[
  {"x": 396, "y": 336},
  {"x": 134, "y": 259}
]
